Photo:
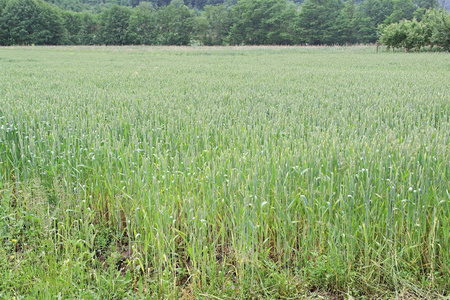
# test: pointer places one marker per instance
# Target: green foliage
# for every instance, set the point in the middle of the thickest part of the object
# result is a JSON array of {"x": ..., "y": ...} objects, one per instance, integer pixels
[
  {"x": 316, "y": 21},
  {"x": 378, "y": 10},
  {"x": 48, "y": 250},
  {"x": 176, "y": 25},
  {"x": 366, "y": 30},
  {"x": 213, "y": 25},
  {"x": 329, "y": 274},
  {"x": 262, "y": 22},
  {"x": 2, "y": 5},
  {"x": 438, "y": 22},
  {"x": 426, "y": 4},
  {"x": 403, "y": 9},
  {"x": 249, "y": 22},
  {"x": 142, "y": 28},
  {"x": 393, "y": 35},
  {"x": 114, "y": 25},
  {"x": 89, "y": 32},
  {"x": 417, "y": 35},
  {"x": 28, "y": 22},
  {"x": 353, "y": 26},
  {"x": 345, "y": 23},
  {"x": 434, "y": 29},
  {"x": 94, "y": 6},
  {"x": 72, "y": 23}
]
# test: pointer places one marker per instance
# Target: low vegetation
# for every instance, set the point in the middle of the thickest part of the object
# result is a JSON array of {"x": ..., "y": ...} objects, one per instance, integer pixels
[{"x": 223, "y": 173}]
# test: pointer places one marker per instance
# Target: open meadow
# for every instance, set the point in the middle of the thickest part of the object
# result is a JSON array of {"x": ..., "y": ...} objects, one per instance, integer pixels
[{"x": 224, "y": 173}]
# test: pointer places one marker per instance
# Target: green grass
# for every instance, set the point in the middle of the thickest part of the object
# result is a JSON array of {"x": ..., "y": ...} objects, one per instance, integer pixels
[{"x": 223, "y": 173}]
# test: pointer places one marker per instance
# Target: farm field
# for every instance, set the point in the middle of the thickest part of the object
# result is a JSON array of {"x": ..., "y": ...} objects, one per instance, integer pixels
[{"x": 224, "y": 173}]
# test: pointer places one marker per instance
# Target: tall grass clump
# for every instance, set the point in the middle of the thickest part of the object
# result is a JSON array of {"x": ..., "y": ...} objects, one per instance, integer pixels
[{"x": 129, "y": 172}]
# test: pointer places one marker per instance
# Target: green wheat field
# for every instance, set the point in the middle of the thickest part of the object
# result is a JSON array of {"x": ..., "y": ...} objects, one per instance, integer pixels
[{"x": 224, "y": 173}]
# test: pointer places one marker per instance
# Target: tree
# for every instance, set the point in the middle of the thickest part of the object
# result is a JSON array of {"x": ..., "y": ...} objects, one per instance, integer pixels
[
  {"x": 29, "y": 22},
  {"x": 135, "y": 3},
  {"x": 114, "y": 24},
  {"x": 196, "y": 4},
  {"x": 3, "y": 32},
  {"x": 366, "y": 30},
  {"x": 345, "y": 24},
  {"x": 393, "y": 35},
  {"x": 377, "y": 10},
  {"x": 317, "y": 21},
  {"x": 261, "y": 22},
  {"x": 142, "y": 28},
  {"x": 176, "y": 25},
  {"x": 162, "y": 3},
  {"x": 72, "y": 23},
  {"x": 213, "y": 25},
  {"x": 416, "y": 35},
  {"x": 438, "y": 22},
  {"x": 2, "y": 5},
  {"x": 409, "y": 34},
  {"x": 89, "y": 31},
  {"x": 426, "y": 4},
  {"x": 284, "y": 31},
  {"x": 403, "y": 10}
]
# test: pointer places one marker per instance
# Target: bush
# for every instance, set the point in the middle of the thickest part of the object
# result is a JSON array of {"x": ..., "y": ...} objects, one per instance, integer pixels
[{"x": 434, "y": 29}]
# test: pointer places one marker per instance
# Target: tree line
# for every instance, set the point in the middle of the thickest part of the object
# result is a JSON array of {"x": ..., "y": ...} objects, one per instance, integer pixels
[
  {"x": 247, "y": 22},
  {"x": 98, "y": 6}
]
